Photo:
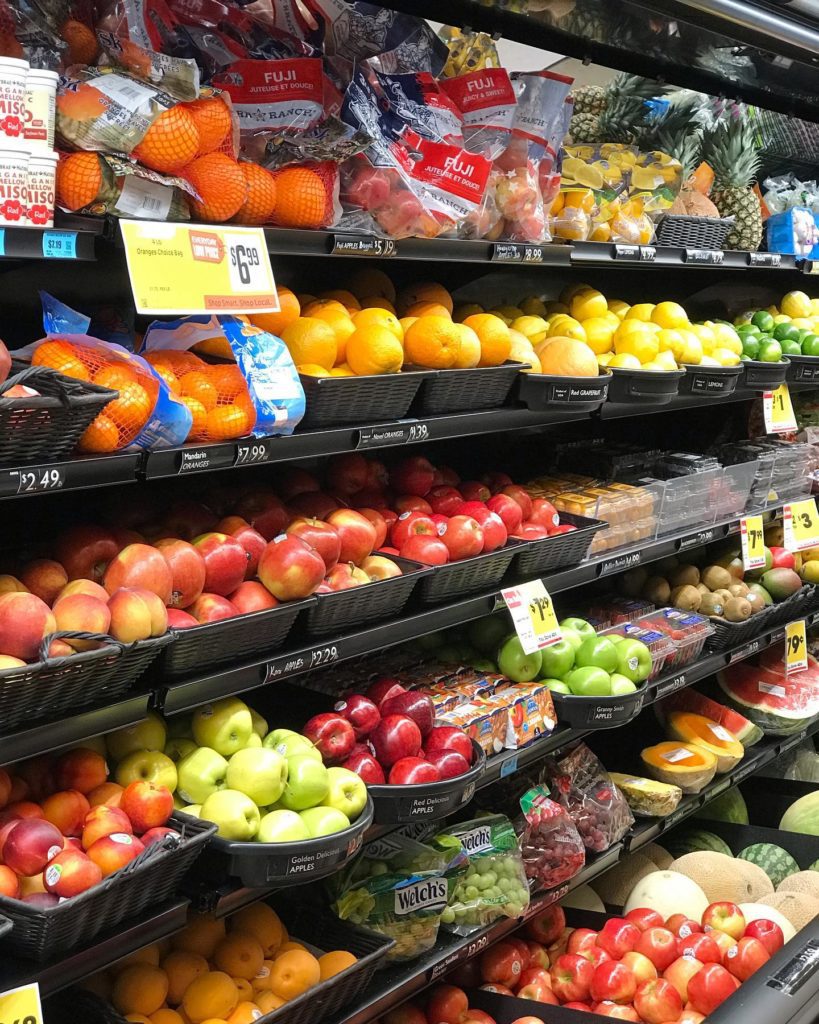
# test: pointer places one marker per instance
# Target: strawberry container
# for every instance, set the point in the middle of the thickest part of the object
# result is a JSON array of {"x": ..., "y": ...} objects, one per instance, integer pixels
[{"x": 687, "y": 631}]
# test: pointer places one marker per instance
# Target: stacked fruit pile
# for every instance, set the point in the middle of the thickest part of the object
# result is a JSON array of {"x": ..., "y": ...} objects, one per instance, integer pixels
[{"x": 790, "y": 329}]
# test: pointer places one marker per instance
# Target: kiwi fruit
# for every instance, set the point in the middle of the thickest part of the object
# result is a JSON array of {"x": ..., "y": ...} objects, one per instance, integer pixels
[
  {"x": 738, "y": 589},
  {"x": 755, "y": 601},
  {"x": 665, "y": 566},
  {"x": 711, "y": 605},
  {"x": 737, "y": 609},
  {"x": 687, "y": 598},
  {"x": 703, "y": 589},
  {"x": 657, "y": 590},
  {"x": 633, "y": 581},
  {"x": 684, "y": 575},
  {"x": 723, "y": 594},
  {"x": 733, "y": 563},
  {"x": 716, "y": 577}
]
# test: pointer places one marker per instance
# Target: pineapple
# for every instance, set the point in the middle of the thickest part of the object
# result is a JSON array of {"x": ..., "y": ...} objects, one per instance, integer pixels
[
  {"x": 731, "y": 151},
  {"x": 589, "y": 99},
  {"x": 625, "y": 111}
]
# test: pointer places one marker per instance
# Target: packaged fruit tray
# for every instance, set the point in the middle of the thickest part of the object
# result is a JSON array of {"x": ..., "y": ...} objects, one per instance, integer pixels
[
  {"x": 483, "y": 387},
  {"x": 687, "y": 631},
  {"x": 759, "y": 376},
  {"x": 649, "y": 387},
  {"x": 710, "y": 380},
  {"x": 230, "y": 640},
  {"x": 52, "y": 687},
  {"x": 153, "y": 877},
  {"x": 598, "y": 712},
  {"x": 427, "y": 801},
  {"x": 336, "y": 401},
  {"x": 560, "y": 550},
  {"x": 371, "y": 602},
  {"x": 43, "y": 427},
  {"x": 264, "y": 864},
  {"x": 539, "y": 391},
  {"x": 468, "y": 575}
]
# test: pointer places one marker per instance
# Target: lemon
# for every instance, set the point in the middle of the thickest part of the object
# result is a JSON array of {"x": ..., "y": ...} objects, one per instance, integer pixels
[
  {"x": 612, "y": 318},
  {"x": 460, "y": 313},
  {"x": 625, "y": 359},
  {"x": 725, "y": 357},
  {"x": 652, "y": 364},
  {"x": 533, "y": 306},
  {"x": 802, "y": 322},
  {"x": 796, "y": 304},
  {"x": 709, "y": 361},
  {"x": 642, "y": 311},
  {"x": 588, "y": 305},
  {"x": 669, "y": 314},
  {"x": 566, "y": 327},
  {"x": 534, "y": 328},
  {"x": 599, "y": 334},
  {"x": 553, "y": 308},
  {"x": 509, "y": 312},
  {"x": 672, "y": 341},
  {"x": 502, "y": 316},
  {"x": 780, "y": 318},
  {"x": 604, "y": 358},
  {"x": 706, "y": 336},
  {"x": 814, "y": 307},
  {"x": 666, "y": 360},
  {"x": 642, "y": 344},
  {"x": 619, "y": 308},
  {"x": 692, "y": 352},
  {"x": 726, "y": 337}
]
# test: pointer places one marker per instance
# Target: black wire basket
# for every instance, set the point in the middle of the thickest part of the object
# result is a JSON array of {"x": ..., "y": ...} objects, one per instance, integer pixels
[
  {"x": 558, "y": 551},
  {"x": 468, "y": 575},
  {"x": 481, "y": 387},
  {"x": 337, "y": 401},
  {"x": 693, "y": 232}
]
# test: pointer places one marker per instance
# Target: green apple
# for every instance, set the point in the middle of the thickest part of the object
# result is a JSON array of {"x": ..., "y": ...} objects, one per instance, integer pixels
[
  {"x": 589, "y": 682},
  {"x": 234, "y": 814},
  {"x": 483, "y": 665},
  {"x": 282, "y": 827},
  {"x": 260, "y": 726},
  {"x": 633, "y": 660},
  {"x": 149, "y": 734},
  {"x": 486, "y": 633},
  {"x": 585, "y": 629},
  {"x": 597, "y": 652},
  {"x": 201, "y": 773},
  {"x": 621, "y": 686},
  {"x": 348, "y": 792},
  {"x": 194, "y": 810},
  {"x": 616, "y": 638},
  {"x": 556, "y": 685},
  {"x": 514, "y": 664},
  {"x": 179, "y": 747},
  {"x": 571, "y": 636},
  {"x": 259, "y": 773},
  {"x": 224, "y": 726},
  {"x": 254, "y": 741},
  {"x": 289, "y": 744},
  {"x": 557, "y": 660},
  {"x": 147, "y": 765},
  {"x": 324, "y": 821},
  {"x": 307, "y": 783}
]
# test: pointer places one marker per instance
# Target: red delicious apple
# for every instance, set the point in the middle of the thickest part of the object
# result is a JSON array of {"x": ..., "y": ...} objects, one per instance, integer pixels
[
  {"x": 447, "y": 475},
  {"x": 290, "y": 568},
  {"x": 659, "y": 945},
  {"x": 188, "y": 570},
  {"x": 710, "y": 987},
  {"x": 378, "y": 521},
  {"x": 412, "y": 503},
  {"x": 449, "y": 763},
  {"x": 250, "y": 539},
  {"x": 332, "y": 736},
  {"x": 746, "y": 957},
  {"x": 377, "y": 567},
  {"x": 410, "y": 524},
  {"x": 294, "y": 480},
  {"x": 657, "y": 1000},
  {"x": 264, "y": 510},
  {"x": 356, "y": 533},
  {"x": 414, "y": 475},
  {"x": 395, "y": 737},
  {"x": 613, "y": 981},
  {"x": 411, "y": 771},
  {"x": 474, "y": 490},
  {"x": 502, "y": 964},
  {"x": 360, "y": 712},
  {"x": 142, "y": 567},
  {"x": 225, "y": 562},
  {"x": 450, "y": 737},
  {"x": 768, "y": 933},
  {"x": 494, "y": 532},
  {"x": 701, "y": 947},
  {"x": 383, "y": 687},
  {"x": 318, "y": 535},
  {"x": 618, "y": 937},
  {"x": 543, "y": 513},
  {"x": 84, "y": 550},
  {"x": 426, "y": 549},
  {"x": 364, "y": 764},
  {"x": 521, "y": 496},
  {"x": 212, "y": 608},
  {"x": 725, "y": 917},
  {"x": 30, "y": 845},
  {"x": 644, "y": 918},
  {"x": 415, "y": 705},
  {"x": 444, "y": 499},
  {"x": 571, "y": 977},
  {"x": 463, "y": 538},
  {"x": 467, "y": 508},
  {"x": 508, "y": 510},
  {"x": 347, "y": 473},
  {"x": 70, "y": 872},
  {"x": 547, "y": 925}
]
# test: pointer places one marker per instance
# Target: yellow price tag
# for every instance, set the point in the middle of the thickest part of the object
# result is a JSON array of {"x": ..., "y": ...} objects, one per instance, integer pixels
[
  {"x": 777, "y": 409},
  {"x": 800, "y": 522},
  {"x": 533, "y": 615},
  {"x": 198, "y": 268},
  {"x": 796, "y": 647},
  {"x": 753, "y": 542},
  {"x": 21, "y": 1005}
]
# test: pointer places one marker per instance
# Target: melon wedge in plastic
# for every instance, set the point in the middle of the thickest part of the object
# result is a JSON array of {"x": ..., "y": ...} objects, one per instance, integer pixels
[
  {"x": 698, "y": 704},
  {"x": 780, "y": 705},
  {"x": 702, "y": 732}
]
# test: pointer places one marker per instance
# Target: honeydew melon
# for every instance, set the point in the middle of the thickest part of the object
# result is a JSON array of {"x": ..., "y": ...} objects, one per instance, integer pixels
[
  {"x": 761, "y": 911},
  {"x": 668, "y": 892}
]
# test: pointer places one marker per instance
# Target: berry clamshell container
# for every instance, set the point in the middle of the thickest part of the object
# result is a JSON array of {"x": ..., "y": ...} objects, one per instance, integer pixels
[
  {"x": 687, "y": 631},
  {"x": 659, "y": 645}
]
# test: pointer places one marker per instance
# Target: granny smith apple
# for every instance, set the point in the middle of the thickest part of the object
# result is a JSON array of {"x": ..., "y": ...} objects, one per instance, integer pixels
[
  {"x": 234, "y": 814},
  {"x": 483, "y": 665},
  {"x": 149, "y": 734},
  {"x": 616, "y": 638},
  {"x": 289, "y": 744},
  {"x": 597, "y": 652},
  {"x": 585, "y": 629},
  {"x": 324, "y": 821},
  {"x": 225, "y": 725},
  {"x": 201, "y": 773},
  {"x": 571, "y": 636},
  {"x": 620, "y": 685},
  {"x": 486, "y": 633},
  {"x": 589, "y": 681},
  {"x": 282, "y": 827},
  {"x": 148, "y": 766},
  {"x": 556, "y": 685},
  {"x": 194, "y": 810},
  {"x": 633, "y": 660},
  {"x": 348, "y": 792},
  {"x": 254, "y": 741},
  {"x": 260, "y": 726},
  {"x": 259, "y": 773},
  {"x": 514, "y": 664},
  {"x": 557, "y": 659},
  {"x": 307, "y": 783},
  {"x": 179, "y": 747}
]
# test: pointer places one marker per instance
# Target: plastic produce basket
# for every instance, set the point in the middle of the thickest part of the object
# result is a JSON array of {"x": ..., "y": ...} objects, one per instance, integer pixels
[
  {"x": 730, "y": 634},
  {"x": 469, "y": 575},
  {"x": 266, "y": 864},
  {"x": 649, "y": 387},
  {"x": 760, "y": 376},
  {"x": 381, "y": 599},
  {"x": 483, "y": 387},
  {"x": 803, "y": 368},
  {"x": 710, "y": 380},
  {"x": 53, "y": 687},
  {"x": 335, "y": 401},
  {"x": 559, "y": 551},
  {"x": 803, "y": 601},
  {"x": 541, "y": 391},
  {"x": 150, "y": 879},
  {"x": 598, "y": 712},
  {"x": 230, "y": 640},
  {"x": 46, "y": 427},
  {"x": 427, "y": 801},
  {"x": 693, "y": 232}
]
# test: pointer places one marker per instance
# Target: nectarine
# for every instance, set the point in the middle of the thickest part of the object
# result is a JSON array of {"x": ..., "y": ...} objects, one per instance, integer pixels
[
  {"x": 24, "y": 620},
  {"x": 44, "y": 577},
  {"x": 81, "y": 613},
  {"x": 140, "y": 566}
]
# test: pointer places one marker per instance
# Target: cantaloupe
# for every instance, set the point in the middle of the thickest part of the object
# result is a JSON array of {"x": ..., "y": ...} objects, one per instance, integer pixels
[
  {"x": 805, "y": 883},
  {"x": 717, "y": 876},
  {"x": 660, "y": 856},
  {"x": 584, "y": 898},
  {"x": 758, "y": 880},
  {"x": 668, "y": 892},
  {"x": 798, "y": 908},
  {"x": 615, "y": 885},
  {"x": 760, "y": 911},
  {"x": 680, "y": 764},
  {"x": 702, "y": 732}
]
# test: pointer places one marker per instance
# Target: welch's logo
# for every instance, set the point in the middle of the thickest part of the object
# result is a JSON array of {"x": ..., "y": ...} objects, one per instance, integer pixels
[
  {"x": 478, "y": 840},
  {"x": 430, "y": 892}
]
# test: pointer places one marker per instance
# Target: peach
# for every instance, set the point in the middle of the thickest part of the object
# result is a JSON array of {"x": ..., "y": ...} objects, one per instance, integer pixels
[
  {"x": 87, "y": 587},
  {"x": 6, "y": 661},
  {"x": 212, "y": 608},
  {"x": 45, "y": 578},
  {"x": 66, "y": 810},
  {"x": 81, "y": 769},
  {"x": 38, "y": 772},
  {"x": 251, "y": 596},
  {"x": 9, "y": 883},
  {"x": 85, "y": 550},
  {"x": 102, "y": 821},
  {"x": 114, "y": 851},
  {"x": 147, "y": 805},
  {"x": 109, "y": 793},
  {"x": 31, "y": 884},
  {"x": 187, "y": 569},
  {"x": 84, "y": 614},
  {"x": 141, "y": 566},
  {"x": 20, "y": 789},
  {"x": 136, "y": 614},
  {"x": 60, "y": 649},
  {"x": 70, "y": 873},
  {"x": 21, "y": 809},
  {"x": 11, "y": 585},
  {"x": 24, "y": 620}
]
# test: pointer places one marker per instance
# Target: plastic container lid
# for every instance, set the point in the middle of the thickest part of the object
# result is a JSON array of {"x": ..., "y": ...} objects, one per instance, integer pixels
[
  {"x": 15, "y": 63},
  {"x": 40, "y": 76}
]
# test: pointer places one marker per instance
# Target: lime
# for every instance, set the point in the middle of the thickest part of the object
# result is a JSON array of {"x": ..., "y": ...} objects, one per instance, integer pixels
[
  {"x": 786, "y": 332},
  {"x": 791, "y": 347},
  {"x": 769, "y": 352},
  {"x": 763, "y": 320},
  {"x": 750, "y": 347},
  {"x": 803, "y": 333},
  {"x": 810, "y": 346},
  {"x": 752, "y": 329},
  {"x": 745, "y": 359}
]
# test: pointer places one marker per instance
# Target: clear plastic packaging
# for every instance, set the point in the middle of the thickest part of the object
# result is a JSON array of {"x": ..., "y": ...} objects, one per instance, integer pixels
[
  {"x": 687, "y": 632},
  {"x": 661, "y": 648},
  {"x": 551, "y": 845}
]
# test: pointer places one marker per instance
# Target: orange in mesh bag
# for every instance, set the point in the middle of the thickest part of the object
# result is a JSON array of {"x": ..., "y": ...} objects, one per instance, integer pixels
[{"x": 216, "y": 395}]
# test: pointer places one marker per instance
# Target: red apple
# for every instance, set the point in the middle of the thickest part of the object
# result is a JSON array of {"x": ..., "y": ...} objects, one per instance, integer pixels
[
  {"x": 723, "y": 940},
  {"x": 346, "y": 576},
  {"x": 364, "y": 764},
  {"x": 412, "y": 771},
  {"x": 251, "y": 596},
  {"x": 547, "y": 925},
  {"x": 142, "y": 567},
  {"x": 377, "y": 567},
  {"x": 188, "y": 570},
  {"x": 156, "y": 835},
  {"x": 468, "y": 508},
  {"x": 597, "y": 955},
  {"x": 373, "y": 497},
  {"x": 414, "y": 475},
  {"x": 508, "y": 510},
  {"x": 250, "y": 539},
  {"x": 114, "y": 852},
  {"x": 582, "y": 1007},
  {"x": 395, "y": 737},
  {"x": 449, "y": 763},
  {"x": 710, "y": 987},
  {"x": 318, "y": 535},
  {"x": 502, "y": 963},
  {"x": 538, "y": 954},
  {"x": 45, "y": 578},
  {"x": 264, "y": 511},
  {"x": 496, "y": 481},
  {"x": 682, "y": 926},
  {"x": 360, "y": 712},
  {"x": 104, "y": 820},
  {"x": 332, "y": 736},
  {"x": 410, "y": 524},
  {"x": 582, "y": 941},
  {"x": 680, "y": 973},
  {"x": 24, "y": 621},
  {"x": 383, "y": 687},
  {"x": 538, "y": 991},
  {"x": 447, "y": 1005},
  {"x": 572, "y": 977},
  {"x": 347, "y": 473},
  {"x": 463, "y": 538},
  {"x": 640, "y": 966},
  {"x": 444, "y": 499},
  {"x": 544, "y": 514},
  {"x": 147, "y": 804},
  {"x": 411, "y": 503},
  {"x": 314, "y": 505},
  {"x": 657, "y": 1000},
  {"x": 177, "y": 619},
  {"x": 725, "y": 917},
  {"x": 747, "y": 956},
  {"x": 521, "y": 496},
  {"x": 500, "y": 990},
  {"x": 225, "y": 562},
  {"x": 529, "y": 531},
  {"x": 85, "y": 550},
  {"x": 768, "y": 933},
  {"x": 415, "y": 705},
  {"x": 293, "y": 480},
  {"x": 613, "y": 981},
  {"x": 290, "y": 568},
  {"x": 426, "y": 549},
  {"x": 494, "y": 532},
  {"x": 450, "y": 737},
  {"x": 185, "y": 519},
  {"x": 701, "y": 947},
  {"x": 356, "y": 533},
  {"x": 644, "y": 918},
  {"x": 71, "y": 872},
  {"x": 30, "y": 845},
  {"x": 618, "y": 937},
  {"x": 607, "y": 1008},
  {"x": 474, "y": 490},
  {"x": 378, "y": 521}
]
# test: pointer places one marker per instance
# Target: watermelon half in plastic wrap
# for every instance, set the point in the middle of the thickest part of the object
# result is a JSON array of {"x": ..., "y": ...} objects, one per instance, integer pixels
[{"x": 778, "y": 704}]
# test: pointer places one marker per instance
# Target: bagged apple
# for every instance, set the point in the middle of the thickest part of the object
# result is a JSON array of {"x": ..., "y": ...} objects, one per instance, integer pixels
[
  {"x": 551, "y": 847},
  {"x": 494, "y": 885}
]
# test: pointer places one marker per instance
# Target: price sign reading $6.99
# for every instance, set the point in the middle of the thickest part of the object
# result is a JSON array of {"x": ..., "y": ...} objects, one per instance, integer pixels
[
  {"x": 753, "y": 542},
  {"x": 796, "y": 647},
  {"x": 21, "y": 1005},
  {"x": 533, "y": 615}
]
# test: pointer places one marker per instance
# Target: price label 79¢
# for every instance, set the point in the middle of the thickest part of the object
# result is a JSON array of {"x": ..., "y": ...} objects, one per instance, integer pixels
[{"x": 796, "y": 647}]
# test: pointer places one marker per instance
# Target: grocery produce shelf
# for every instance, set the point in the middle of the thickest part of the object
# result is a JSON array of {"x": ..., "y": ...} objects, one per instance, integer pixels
[
  {"x": 47, "y": 244},
  {"x": 69, "y": 474}
]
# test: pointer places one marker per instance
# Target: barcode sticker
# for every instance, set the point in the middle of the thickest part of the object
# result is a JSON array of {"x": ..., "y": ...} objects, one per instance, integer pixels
[
  {"x": 772, "y": 688},
  {"x": 680, "y": 754},
  {"x": 124, "y": 91},
  {"x": 142, "y": 198}
]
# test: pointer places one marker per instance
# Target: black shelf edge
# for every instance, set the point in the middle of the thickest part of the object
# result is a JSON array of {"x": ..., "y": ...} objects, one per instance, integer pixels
[
  {"x": 69, "y": 474},
  {"x": 61, "y": 243}
]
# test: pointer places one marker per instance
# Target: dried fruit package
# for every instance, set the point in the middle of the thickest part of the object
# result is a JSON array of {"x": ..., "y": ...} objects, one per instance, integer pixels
[
  {"x": 145, "y": 415},
  {"x": 256, "y": 392},
  {"x": 400, "y": 888},
  {"x": 582, "y": 785},
  {"x": 494, "y": 885},
  {"x": 551, "y": 846}
]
